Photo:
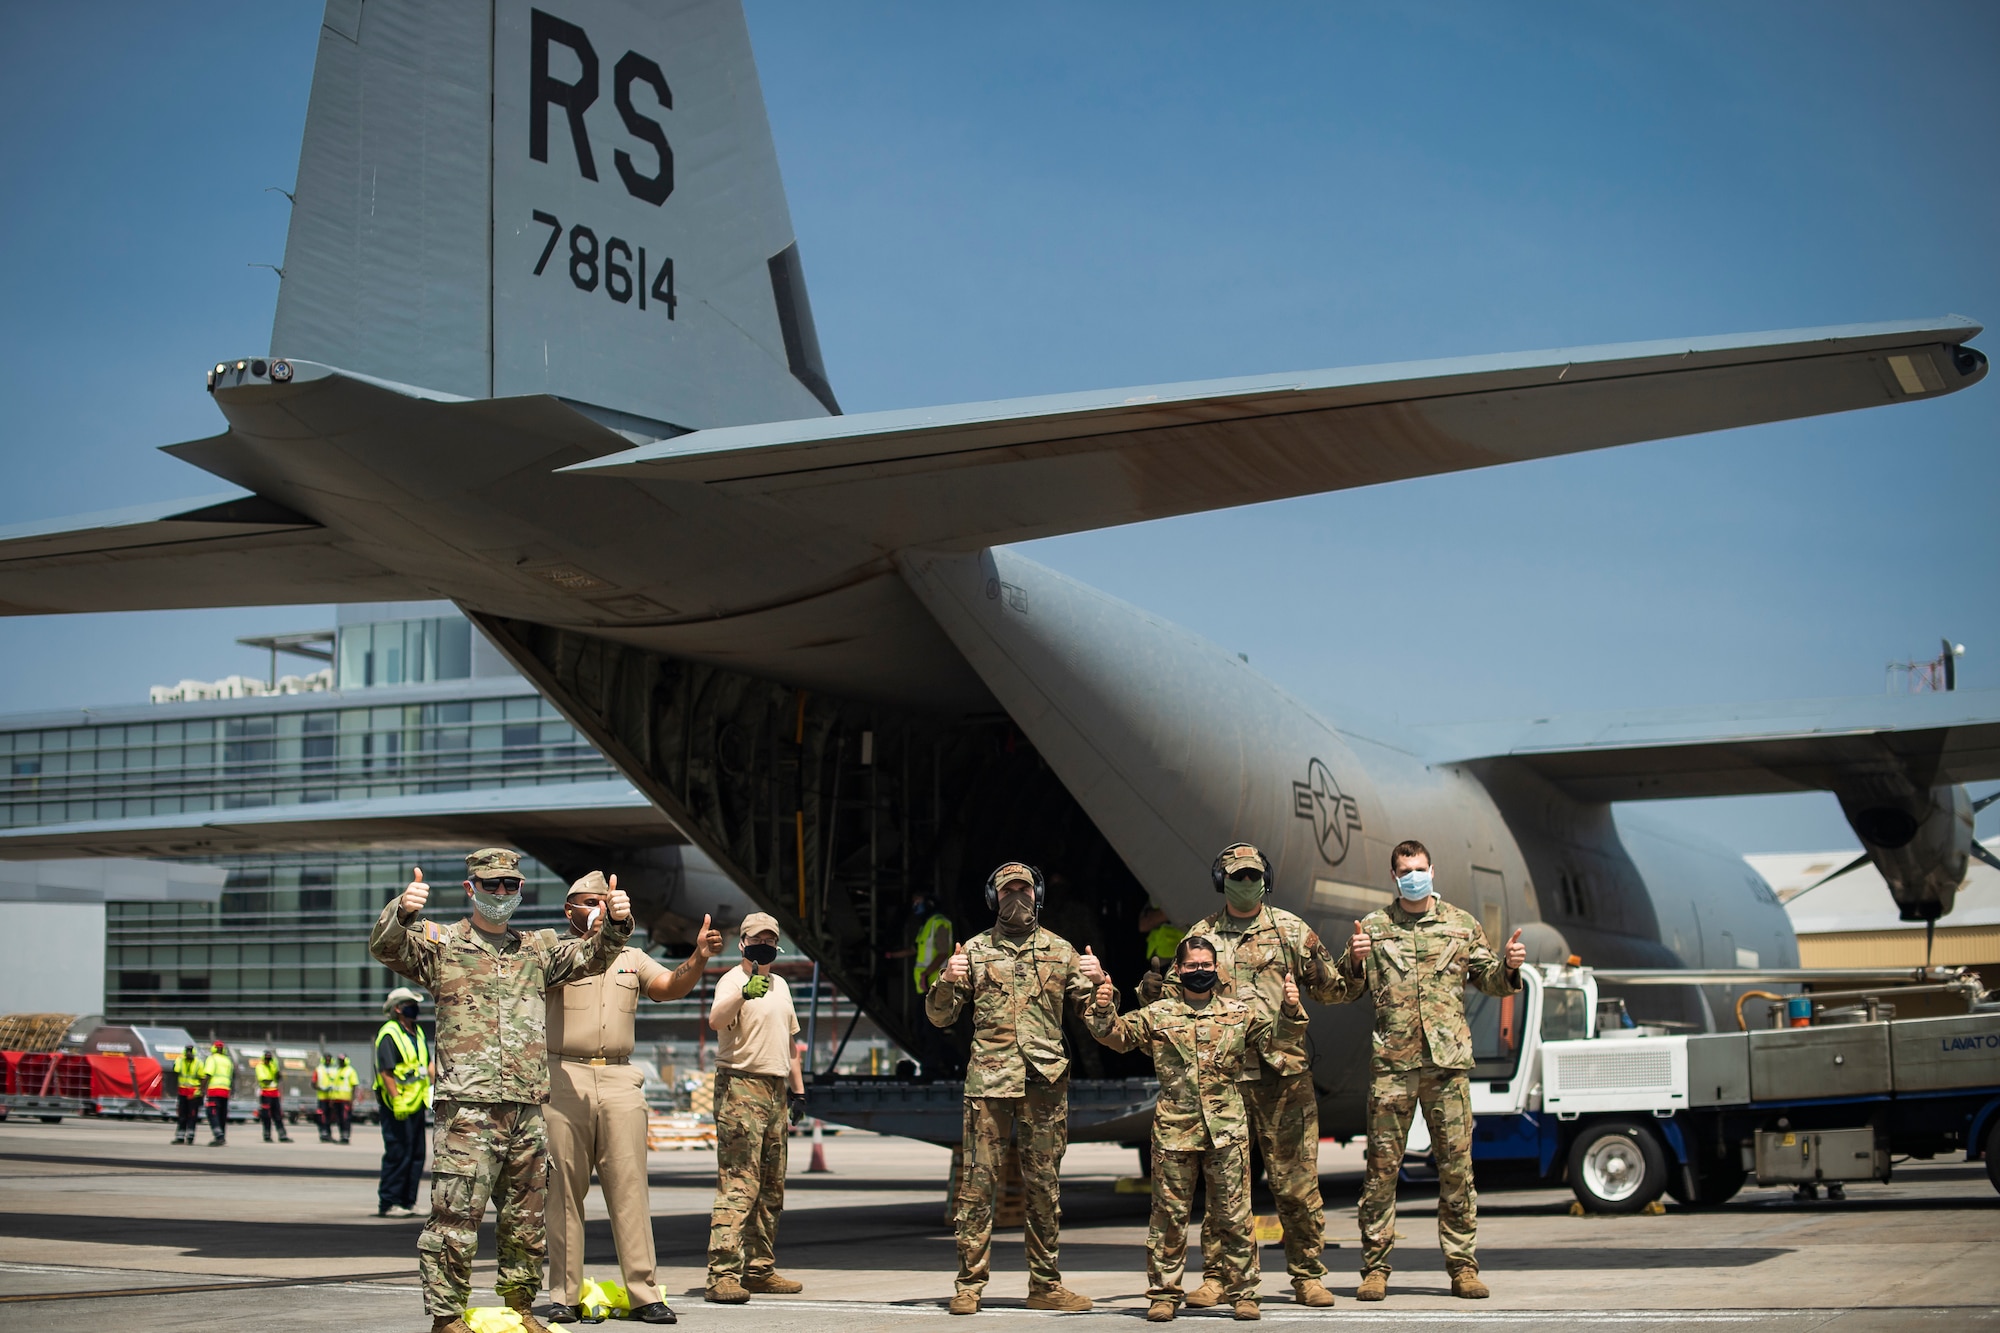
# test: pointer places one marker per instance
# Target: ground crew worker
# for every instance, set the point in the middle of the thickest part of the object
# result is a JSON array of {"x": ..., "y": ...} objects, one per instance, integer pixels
[
  {"x": 270, "y": 1096},
  {"x": 1163, "y": 937},
  {"x": 403, "y": 1066},
  {"x": 597, "y": 1106},
  {"x": 755, "y": 1063},
  {"x": 1018, "y": 977},
  {"x": 493, "y": 1077},
  {"x": 930, "y": 942},
  {"x": 219, "y": 1070},
  {"x": 1200, "y": 1042},
  {"x": 188, "y": 1078},
  {"x": 1417, "y": 955},
  {"x": 323, "y": 1077},
  {"x": 1256, "y": 947},
  {"x": 341, "y": 1102}
]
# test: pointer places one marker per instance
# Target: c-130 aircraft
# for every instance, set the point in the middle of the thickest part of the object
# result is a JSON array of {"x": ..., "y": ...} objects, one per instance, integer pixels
[{"x": 543, "y": 347}]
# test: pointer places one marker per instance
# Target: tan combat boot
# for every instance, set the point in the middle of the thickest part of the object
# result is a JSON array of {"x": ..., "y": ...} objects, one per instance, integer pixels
[
  {"x": 772, "y": 1284},
  {"x": 725, "y": 1291},
  {"x": 1374, "y": 1287},
  {"x": 529, "y": 1324},
  {"x": 966, "y": 1302},
  {"x": 1160, "y": 1312},
  {"x": 1311, "y": 1291},
  {"x": 1207, "y": 1294},
  {"x": 1247, "y": 1309},
  {"x": 1058, "y": 1297},
  {"x": 1465, "y": 1284},
  {"x": 449, "y": 1324}
]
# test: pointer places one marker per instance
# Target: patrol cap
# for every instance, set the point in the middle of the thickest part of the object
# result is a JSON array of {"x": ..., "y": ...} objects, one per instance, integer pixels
[
  {"x": 594, "y": 882},
  {"x": 493, "y": 863},
  {"x": 1014, "y": 872},
  {"x": 1243, "y": 856},
  {"x": 756, "y": 923}
]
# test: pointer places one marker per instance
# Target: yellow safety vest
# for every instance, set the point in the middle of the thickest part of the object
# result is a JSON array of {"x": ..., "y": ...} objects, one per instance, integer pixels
[
  {"x": 220, "y": 1070},
  {"x": 323, "y": 1081},
  {"x": 267, "y": 1074},
  {"x": 187, "y": 1071},
  {"x": 930, "y": 951},
  {"x": 413, "y": 1079},
  {"x": 345, "y": 1080},
  {"x": 1161, "y": 941}
]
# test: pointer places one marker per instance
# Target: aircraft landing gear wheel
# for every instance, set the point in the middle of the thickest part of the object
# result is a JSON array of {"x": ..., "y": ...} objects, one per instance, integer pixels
[{"x": 1617, "y": 1166}]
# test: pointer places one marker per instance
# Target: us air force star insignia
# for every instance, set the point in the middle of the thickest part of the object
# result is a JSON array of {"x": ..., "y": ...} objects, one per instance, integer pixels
[{"x": 1335, "y": 816}]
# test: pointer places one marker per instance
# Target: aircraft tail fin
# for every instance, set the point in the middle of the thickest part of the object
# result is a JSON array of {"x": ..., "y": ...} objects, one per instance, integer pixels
[{"x": 572, "y": 197}]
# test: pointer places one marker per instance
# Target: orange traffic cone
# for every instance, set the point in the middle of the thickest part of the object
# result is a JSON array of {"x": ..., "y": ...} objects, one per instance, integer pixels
[{"x": 819, "y": 1152}]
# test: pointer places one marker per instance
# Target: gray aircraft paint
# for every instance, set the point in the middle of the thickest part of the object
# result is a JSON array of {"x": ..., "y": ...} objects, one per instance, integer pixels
[{"x": 860, "y": 558}]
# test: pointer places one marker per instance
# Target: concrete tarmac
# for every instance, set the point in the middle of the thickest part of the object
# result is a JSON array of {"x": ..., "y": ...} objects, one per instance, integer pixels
[{"x": 106, "y": 1224}]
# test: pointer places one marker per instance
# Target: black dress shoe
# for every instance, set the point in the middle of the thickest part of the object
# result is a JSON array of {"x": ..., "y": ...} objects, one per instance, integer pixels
[
  {"x": 564, "y": 1314},
  {"x": 655, "y": 1313}
]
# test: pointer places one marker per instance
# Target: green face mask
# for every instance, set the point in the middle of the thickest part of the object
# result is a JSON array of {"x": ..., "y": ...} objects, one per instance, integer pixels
[{"x": 1244, "y": 894}]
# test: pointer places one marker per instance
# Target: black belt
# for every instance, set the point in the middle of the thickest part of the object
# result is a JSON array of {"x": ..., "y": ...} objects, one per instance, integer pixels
[{"x": 598, "y": 1059}]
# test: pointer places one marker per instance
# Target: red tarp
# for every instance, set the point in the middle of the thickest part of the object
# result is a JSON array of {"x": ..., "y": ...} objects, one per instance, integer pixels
[
  {"x": 32, "y": 1075},
  {"x": 8, "y": 1059},
  {"x": 87, "y": 1077},
  {"x": 123, "y": 1076}
]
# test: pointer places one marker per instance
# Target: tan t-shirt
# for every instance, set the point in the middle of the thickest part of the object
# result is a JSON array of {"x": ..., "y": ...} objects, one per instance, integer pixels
[
  {"x": 593, "y": 1016},
  {"x": 760, "y": 1040}
]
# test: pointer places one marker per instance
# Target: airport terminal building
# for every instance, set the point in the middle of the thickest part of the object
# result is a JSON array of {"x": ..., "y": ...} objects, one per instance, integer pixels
[{"x": 412, "y": 712}]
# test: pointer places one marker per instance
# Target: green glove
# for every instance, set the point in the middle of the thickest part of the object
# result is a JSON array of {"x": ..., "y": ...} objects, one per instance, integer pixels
[{"x": 757, "y": 987}]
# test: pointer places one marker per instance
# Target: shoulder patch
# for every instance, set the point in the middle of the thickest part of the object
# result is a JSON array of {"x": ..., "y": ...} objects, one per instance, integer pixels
[{"x": 431, "y": 932}]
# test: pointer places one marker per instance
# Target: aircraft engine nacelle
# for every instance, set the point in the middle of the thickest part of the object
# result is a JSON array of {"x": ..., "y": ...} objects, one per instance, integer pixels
[{"x": 1920, "y": 840}]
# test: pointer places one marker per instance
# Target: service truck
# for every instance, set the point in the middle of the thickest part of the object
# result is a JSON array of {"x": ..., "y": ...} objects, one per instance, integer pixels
[{"x": 1834, "y": 1088}]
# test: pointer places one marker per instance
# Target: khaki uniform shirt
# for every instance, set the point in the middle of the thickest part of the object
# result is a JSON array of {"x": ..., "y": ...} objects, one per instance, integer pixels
[
  {"x": 1018, "y": 988},
  {"x": 593, "y": 1016},
  {"x": 1199, "y": 1053},
  {"x": 1419, "y": 967},
  {"x": 759, "y": 1041},
  {"x": 492, "y": 1028},
  {"x": 1252, "y": 956}
]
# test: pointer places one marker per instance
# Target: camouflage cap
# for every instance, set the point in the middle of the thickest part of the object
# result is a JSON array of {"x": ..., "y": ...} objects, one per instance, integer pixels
[
  {"x": 756, "y": 923},
  {"x": 1243, "y": 856},
  {"x": 594, "y": 882},
  {"x": 493, "y": 863},
  {"x": 1014, "y": 872}
]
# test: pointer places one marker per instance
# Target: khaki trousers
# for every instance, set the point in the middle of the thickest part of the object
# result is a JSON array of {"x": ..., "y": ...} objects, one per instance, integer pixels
[{"x": 597, "y": 1118}]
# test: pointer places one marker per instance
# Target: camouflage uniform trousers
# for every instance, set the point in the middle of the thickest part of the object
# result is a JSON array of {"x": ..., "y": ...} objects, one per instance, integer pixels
[
  {"x": 1040, "y": 1122},
  {"x": 496, "y": 1151},
  {"x": 1284, "y": 1115},
  {"x": 751, "y": 1114},
  {"x": 1225, "y": 1222},
  {"x": 1393, "y": 1098}
]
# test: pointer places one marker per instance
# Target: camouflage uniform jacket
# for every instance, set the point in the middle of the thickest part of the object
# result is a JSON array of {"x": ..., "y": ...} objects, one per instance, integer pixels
[
  {"x": 1018, "y": 989},
  {"x": 1200, "y": 1055},
  {"x": 492, "y": 1026},
  {"x": 1252, "y": 955},
  {"x": 1418, "y": 968}
]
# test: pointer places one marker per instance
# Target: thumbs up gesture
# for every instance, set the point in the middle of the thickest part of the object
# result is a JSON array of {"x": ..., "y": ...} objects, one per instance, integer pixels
[
  {"x": 708, "y": 943},
  {"x": 959, "y": 967},
  {"x": 416, "y": 895},
  {"x": 1107, "y": 994},
  {"x": 1291, "y": 992},
  {"x": 1360, "y": 944},
  {"x": 1091, "y": 969},
  {"x": 621, "y": 906},
  {"x": 1517, "y": 952}
]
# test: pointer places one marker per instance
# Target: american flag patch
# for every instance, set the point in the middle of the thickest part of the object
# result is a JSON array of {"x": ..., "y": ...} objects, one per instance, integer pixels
[{"x": 431, "y": 931}]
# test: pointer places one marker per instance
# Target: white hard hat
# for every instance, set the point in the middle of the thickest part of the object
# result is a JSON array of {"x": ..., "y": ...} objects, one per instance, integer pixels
[{"x": 397, "y": 996}]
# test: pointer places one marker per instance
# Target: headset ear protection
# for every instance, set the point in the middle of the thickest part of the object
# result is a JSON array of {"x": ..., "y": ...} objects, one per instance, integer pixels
[
  {"x": 1215, "y": 869},
  {"x": 993, "y": 886}
]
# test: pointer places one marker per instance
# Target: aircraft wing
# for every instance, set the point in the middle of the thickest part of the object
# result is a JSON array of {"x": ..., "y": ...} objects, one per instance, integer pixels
[
  {"x": 233, "y": 549},
  {"x": 1744, "y": 749},
  {"x": 962, "y": 477}
]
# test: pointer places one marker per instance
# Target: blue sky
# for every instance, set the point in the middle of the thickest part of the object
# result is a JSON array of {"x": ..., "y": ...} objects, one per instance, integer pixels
[{"x": 1064, "y": 196}]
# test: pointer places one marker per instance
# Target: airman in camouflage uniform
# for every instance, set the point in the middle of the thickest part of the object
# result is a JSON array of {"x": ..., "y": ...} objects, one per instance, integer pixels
[
  {"x": 1018, "y": 977},
  {"x": 1417, "y": 955},
  {"x": 1200, "y": 1044},
  {"x": 1256, "y": 947},
  {"x": 488, "y": 983}
]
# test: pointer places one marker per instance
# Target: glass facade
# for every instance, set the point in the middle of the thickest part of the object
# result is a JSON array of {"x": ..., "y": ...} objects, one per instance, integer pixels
[{"x": 403, "y": 652}]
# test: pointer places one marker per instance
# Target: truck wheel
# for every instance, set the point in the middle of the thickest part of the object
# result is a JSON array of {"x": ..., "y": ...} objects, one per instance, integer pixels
[
  {"x": 1715, "y": 1183},
  {"x": 1993, "y": 1153},
  {"x": 1617, "y": 1166}
]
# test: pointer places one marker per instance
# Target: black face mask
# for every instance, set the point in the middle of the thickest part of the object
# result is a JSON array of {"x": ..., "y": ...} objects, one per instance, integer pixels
[
  {"x": 761, "y": 954},
  {"x": 406, "y": 1010},
  {"x": 1198, "y": 982}
]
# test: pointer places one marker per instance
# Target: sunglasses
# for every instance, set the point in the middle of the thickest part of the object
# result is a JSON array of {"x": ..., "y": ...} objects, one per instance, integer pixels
[{"x": 499, "y": 885}]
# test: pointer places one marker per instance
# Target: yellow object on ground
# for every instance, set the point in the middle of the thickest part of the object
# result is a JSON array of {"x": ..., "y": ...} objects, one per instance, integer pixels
[
  {"x": 498, "y": 1319},
  {"x": 1267, "y": 1229},
  {"x": 603, "y": 1300}
]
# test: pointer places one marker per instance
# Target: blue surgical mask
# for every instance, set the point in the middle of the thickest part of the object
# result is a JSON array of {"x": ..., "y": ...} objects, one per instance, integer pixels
[
  {"x": 495, "y": 907},
  {"x": 1414, "y": 886}
]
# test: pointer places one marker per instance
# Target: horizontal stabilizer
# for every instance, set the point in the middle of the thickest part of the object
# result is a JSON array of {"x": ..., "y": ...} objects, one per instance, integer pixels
[
  {"x": 1744, "y": 749},
  {"x": 216, "y": 550},
  {"x": 957, "y": 478}
]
